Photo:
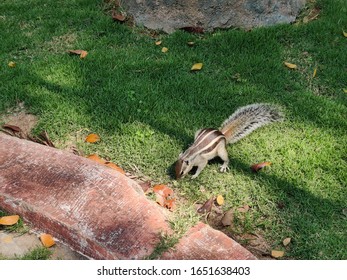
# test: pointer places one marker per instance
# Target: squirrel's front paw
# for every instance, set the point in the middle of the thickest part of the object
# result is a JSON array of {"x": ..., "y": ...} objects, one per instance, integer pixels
[{"x": 224, "y": 168}]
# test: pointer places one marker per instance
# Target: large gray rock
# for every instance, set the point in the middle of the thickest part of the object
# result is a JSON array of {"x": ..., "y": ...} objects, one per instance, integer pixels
[{"x": 169, "y": 15}]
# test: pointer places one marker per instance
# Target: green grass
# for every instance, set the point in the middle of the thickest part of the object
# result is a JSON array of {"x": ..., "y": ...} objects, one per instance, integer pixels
[
  {"x": 38, "y": 253},
  {"x": 146, "y": 106}
]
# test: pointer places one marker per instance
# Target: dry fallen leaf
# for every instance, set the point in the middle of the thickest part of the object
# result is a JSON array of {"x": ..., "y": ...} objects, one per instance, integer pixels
[
  {"x": 164, "y": 196},
  {"x": 158, "y": 43},
  {"x": 164, "y": 49},
  {"x": 96, "y": 158},
  {"x": 114, "y": 166},
  {"x": 258, "y": 166},
  {"x": 92, "y": 138},
  {"x": 243, "y": 209},
  {"x": 314, "y": 73},
  {"x": 145, "y": 185},
  {"x": 220, "y": 200},
  {"x": 277, "y": 254},
  {"x": 11, "y": 64},
  {"x": 117, "y": 16},
  {"x": 228, "y": 218},
  {"x": 196, "y": 67},
  {"x": 47, "y": 240},
  {"x": 81, "y": 53},
  {"x": 190, "y": 43},
  {"x": 14, "y": 128},
  {"x": 207, "y": 207},
  {"x": 290, "y": 65},
  {"x": 344, "y": 33},
  {"x": 9, "y": 220},
  {"x": 286, "y": 241}
]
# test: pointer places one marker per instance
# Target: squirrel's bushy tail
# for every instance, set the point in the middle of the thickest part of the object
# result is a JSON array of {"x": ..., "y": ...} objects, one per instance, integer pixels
[{"x": 247, "y": 119}]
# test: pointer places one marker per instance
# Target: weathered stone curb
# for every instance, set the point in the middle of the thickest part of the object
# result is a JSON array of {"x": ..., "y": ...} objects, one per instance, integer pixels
[
  {"x": 94, "y": 209},
  {"x": 202, "y": 242}
]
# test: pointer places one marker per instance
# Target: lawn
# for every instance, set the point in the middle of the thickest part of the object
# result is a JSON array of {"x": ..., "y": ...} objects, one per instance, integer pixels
[{"x": 146, "y": 106}]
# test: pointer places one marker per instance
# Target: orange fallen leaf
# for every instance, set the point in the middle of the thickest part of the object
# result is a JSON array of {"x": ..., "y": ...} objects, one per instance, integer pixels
[
  {"x": 81, "y": 53},
  {"x": 197, "y": 67},
  {"x": 290, "y": 65},
  {"x": 164, "y": 49},
  {"x": 47, "y": 240},
  {"x": 157, "y": 43},
  {"x": 277, "y": 254},
  {"x": 11, "y": 64},
  {"x": 96, "y": 158},
  {"x": 164, "y": 196},
  {"x": 114, "y": 166},
  {"x": 9, "y": 220},
  {"x": 258, "y": 166},
  {"x": 92, "y": 138}
]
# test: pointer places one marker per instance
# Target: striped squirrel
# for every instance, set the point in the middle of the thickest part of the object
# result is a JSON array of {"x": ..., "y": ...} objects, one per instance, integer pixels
[{"x": 210, "y": 143}]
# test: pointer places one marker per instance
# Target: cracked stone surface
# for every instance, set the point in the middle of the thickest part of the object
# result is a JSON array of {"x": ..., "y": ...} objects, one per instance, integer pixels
[{"x": 170, "y": 15}]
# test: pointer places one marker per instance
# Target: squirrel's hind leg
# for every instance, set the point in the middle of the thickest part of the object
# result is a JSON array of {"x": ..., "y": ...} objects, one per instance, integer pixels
[{"x": 223, "y": 154}]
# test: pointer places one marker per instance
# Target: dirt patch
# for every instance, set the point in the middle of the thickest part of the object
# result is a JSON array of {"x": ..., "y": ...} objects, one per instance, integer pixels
[{"x": 19, "y": 117}]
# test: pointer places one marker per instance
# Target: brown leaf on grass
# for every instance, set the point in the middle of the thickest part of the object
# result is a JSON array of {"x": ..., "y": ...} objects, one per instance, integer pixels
[
  {"x": 46, "y": 140},
  {"x": 228, "y": 218},
  {"x": 286, "y": 241},
  {"x": 9, "y": 220},
  {"x": 157, "y": 43},
  {"x": 206, "y": 207},
  {"x": 118, "y": 16},
  {"x": 92, "y": 138},
  {"x": 193, "y": 29},
  {"x": 145, "y": 185},
  {"x": 243, "y": 209},
  {"x": 258, "y": 166},
  {"x": 164, "y": 50},
  {"x": 114, "y": 166},
  {"x": 81, "y": 53},
  {"x": 164, "y": 196},
  {"x": 277, "y": 254},
  {"x": 47, "y": 240}
]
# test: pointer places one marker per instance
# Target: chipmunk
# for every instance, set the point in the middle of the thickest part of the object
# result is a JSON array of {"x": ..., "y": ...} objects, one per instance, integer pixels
[{"x": 210, "y": 143}]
